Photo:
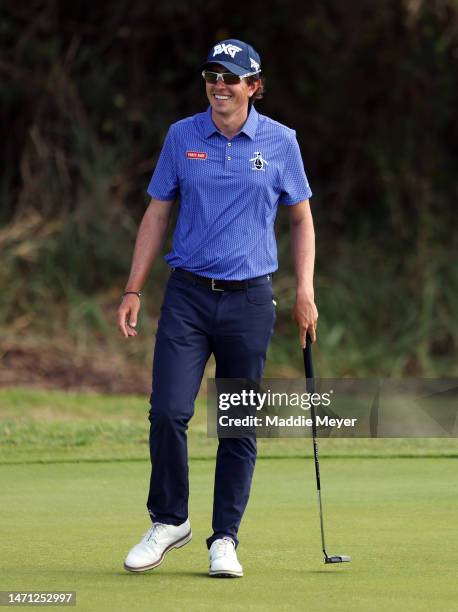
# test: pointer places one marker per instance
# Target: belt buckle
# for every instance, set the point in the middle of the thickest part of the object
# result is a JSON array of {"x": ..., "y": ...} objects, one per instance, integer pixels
[{"x": 213, "y": 285}]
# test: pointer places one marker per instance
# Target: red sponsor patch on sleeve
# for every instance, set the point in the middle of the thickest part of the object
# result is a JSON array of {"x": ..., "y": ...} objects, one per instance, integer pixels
[{"x": 196, "y": 155}]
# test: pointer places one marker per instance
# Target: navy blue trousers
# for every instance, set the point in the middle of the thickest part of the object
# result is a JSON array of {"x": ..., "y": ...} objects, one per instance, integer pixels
[{"x": 236, "y": 326}]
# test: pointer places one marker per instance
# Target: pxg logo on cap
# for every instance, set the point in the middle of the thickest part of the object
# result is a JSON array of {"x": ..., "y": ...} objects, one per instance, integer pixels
[{"x": 236, "y": 56}]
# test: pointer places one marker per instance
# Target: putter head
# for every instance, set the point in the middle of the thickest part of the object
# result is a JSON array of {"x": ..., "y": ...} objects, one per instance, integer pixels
[{"x": 337, "y": 559}]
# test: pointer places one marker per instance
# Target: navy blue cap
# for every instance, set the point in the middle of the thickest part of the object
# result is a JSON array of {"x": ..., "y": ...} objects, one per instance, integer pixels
[{"x": 236, "y": 56}]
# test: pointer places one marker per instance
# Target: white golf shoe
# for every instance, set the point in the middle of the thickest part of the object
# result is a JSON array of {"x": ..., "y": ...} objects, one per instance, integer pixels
[
  {"x": 223, "y": 560},
  {"x": 155, "y": 544}
]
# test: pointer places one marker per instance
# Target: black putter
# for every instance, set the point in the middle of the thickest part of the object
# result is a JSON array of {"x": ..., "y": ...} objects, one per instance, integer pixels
[{"x": 310, "y": 384}]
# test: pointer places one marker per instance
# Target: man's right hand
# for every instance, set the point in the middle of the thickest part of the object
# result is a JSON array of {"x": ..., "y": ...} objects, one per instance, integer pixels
[{"x": 128, "y": 314}]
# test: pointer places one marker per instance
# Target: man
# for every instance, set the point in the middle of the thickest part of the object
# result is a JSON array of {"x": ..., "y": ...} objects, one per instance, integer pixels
[{"x": 230, "y": 167}]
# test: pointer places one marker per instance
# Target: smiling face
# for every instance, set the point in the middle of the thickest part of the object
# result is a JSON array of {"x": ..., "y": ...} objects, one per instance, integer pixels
[{"x": 227, "y": 100}]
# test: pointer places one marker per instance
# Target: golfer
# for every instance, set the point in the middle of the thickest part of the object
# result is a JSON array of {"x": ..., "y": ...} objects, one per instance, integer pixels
[{"x": 230, "y": 167}]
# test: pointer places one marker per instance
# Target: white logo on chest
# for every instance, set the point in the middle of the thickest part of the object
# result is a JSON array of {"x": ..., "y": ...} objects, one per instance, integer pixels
[
  {"x": 258, "y": 162},
  {"x": 227, "y": 49}
]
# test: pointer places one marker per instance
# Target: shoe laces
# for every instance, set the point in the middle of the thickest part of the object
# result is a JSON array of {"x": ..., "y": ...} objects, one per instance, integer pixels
[
  {"x": 153, "y": 533},
  {"x": 223, "y": 545}
]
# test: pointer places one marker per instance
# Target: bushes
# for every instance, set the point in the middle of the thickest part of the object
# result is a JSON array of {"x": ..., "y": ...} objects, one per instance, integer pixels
[{"x": 87, "y": 97}]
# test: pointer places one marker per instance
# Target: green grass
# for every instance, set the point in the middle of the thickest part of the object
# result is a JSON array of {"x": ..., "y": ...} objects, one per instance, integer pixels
[
  {"x": 44, "y": 426},
  {"x": 69, "y": 527},
  {"x": 74, "y": 472}
]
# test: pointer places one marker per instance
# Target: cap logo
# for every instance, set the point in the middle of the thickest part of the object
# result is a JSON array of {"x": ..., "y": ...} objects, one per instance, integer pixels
[
  {"x": 254, "y": 64},
  {"x": 227, "y": 49}
]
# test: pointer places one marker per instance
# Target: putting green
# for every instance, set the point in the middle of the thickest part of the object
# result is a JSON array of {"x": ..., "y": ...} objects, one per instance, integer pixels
[{"x": 68, "y": 526}]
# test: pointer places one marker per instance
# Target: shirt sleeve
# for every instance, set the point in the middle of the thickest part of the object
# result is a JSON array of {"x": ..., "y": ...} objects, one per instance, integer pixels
[
  {"x": 295, "y": 187},
  {"x": 164, "y": 182}
]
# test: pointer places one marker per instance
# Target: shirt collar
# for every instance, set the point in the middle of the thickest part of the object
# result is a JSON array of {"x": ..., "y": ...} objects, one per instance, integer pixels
[{"x": 249, "y": 127}]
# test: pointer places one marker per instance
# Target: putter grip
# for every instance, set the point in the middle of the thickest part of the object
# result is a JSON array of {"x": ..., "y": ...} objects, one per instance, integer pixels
[{"x": 308, "y": 365}]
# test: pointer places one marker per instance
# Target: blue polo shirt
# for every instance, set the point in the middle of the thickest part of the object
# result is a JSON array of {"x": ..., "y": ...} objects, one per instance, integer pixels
[{"x": 229, "y": 191}]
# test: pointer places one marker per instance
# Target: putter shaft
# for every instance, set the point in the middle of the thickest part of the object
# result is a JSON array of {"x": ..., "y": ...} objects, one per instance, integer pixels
[{"x": 310, "y": 385}]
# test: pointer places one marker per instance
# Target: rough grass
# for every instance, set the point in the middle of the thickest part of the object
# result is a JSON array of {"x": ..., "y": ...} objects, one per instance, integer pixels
[{"x": 44, "y": 426}]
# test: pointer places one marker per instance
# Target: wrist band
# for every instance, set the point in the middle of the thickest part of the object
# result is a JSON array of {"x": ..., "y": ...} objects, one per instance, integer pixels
[{"x": 137, "y": 293}]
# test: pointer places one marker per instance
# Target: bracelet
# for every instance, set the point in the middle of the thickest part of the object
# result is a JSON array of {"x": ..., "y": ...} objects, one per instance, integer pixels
[{"x": 137, "y": 293}]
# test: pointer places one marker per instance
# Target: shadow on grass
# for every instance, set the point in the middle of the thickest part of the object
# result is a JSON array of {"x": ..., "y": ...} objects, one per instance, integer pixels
[
  {"x": 162, "y": 574},
  {"x": 323, "y": 571},
  {"x": 190, "y": 574}
]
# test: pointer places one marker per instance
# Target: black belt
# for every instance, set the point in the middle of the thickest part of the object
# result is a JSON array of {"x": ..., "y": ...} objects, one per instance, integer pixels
[{"x": 216, "y": 284}]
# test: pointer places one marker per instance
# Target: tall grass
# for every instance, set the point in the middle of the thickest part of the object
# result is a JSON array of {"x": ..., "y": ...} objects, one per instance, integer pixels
[{"x": 383, "y": 310}]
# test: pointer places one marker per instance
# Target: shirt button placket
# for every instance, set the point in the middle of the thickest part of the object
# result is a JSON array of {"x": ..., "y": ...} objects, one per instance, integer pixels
[{"x": 228, "y": 157}]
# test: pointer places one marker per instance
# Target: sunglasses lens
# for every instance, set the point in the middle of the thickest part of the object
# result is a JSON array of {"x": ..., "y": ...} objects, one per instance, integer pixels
[
  {"x": 210, "y": 77},
  {"x": 228, "y": 78},
  {"x": 231, "y": 79}
]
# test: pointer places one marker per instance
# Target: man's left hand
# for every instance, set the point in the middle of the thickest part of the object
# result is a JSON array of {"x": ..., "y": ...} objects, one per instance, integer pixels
[{"x": 305, "y": 314}]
